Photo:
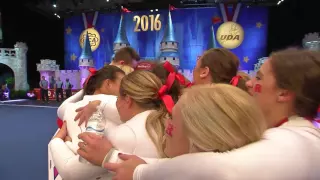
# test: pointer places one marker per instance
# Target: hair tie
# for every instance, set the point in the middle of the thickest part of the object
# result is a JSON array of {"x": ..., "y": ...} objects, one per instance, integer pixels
[
  {"x": 92, "y": 71},
  {"x": 235, "y": 80}
]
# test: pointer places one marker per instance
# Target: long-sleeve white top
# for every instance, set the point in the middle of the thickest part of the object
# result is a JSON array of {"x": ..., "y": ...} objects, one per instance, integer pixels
[
  {"x": 289, "y": 152},
  {"x": 130, "y": 137},
  {"x": 73, "y": 99}
]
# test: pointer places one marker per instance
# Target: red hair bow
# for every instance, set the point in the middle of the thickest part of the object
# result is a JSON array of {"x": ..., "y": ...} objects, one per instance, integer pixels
[
  {"x": 167, "y": 99},
  {"x": 59, "y": 123},
  {"x": 235, "y": 80},
  {"x": 92, "y": 71},
  {"x": 189, "y": 84},
  {"x": 179, "y": 77}
]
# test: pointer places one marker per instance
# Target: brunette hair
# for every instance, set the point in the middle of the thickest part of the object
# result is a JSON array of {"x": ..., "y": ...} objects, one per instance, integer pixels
[
  {"x": 299, "y": 71},
  {"x": 245, "y": 77},
  {"x": 162, "y": 74},
  {"x": 95, "y": 81},
  {"x": 143, "y": 86},
  {"x": 223, "y": 66},
  {"x": 126, "y": 54}
]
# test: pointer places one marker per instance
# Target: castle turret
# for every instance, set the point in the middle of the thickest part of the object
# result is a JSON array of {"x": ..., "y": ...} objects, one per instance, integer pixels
[
  {"x": 169, "y": 45},
  {"x": 85, "y": 60},
  {"x": 47, "y": 68},
  {"x": 212, "y": 40},
  {"x": 121, "y": 38},
  {"x": 21, "y": 82},
  {"x": 311, "y": 41}
]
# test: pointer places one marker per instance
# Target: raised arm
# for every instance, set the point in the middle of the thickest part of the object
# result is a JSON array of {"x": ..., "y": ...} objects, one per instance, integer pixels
[{"x": 75, "y": 98}]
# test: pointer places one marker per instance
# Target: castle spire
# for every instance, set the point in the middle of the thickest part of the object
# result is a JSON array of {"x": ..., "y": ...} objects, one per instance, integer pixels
[
  {"x": 169, "y": 32},
  {"x": 86, "y": 51},
  {"x": 86, "y": 59},
  {"x": 121, "y": 38},
  {"x": 212, "y": 40},
  {"x": 169, "y": 45},
  {"x": 121, "y": 35}
]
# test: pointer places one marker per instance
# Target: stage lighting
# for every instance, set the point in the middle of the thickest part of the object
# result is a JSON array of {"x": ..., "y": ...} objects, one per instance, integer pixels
[
  {"x": 54, "y": 3},
  {"x": 279, "y": 2}
]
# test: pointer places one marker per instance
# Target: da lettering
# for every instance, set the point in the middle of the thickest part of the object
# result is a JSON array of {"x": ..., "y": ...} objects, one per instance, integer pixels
[{"x": 230, "y": 37}]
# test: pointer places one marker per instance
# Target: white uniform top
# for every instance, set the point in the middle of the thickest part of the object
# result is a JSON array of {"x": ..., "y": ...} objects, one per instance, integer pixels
[
  {"x": 72, "y": 99},
  {"x": 289, "y": 152},
  {"x": 130, "y": 137}
]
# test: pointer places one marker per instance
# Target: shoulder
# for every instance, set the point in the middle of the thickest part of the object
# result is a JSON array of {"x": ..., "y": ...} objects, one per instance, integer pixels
[
  {"x": 123, "y": 138},
  {"x": 108, "y": 98}
]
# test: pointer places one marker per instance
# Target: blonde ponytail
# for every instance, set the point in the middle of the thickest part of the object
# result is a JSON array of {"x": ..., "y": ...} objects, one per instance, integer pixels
[{"x": 155, "y": 126}]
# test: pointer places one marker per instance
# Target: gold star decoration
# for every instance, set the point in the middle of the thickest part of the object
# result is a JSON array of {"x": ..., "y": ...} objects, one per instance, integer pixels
[
  {"x": 246, "y": 59},
  {"x": 259, "y": 25},
  {"x": 73, "y": 57},
  {"x": 68, "y": 30},
  {"x": 102, "y": 30}
]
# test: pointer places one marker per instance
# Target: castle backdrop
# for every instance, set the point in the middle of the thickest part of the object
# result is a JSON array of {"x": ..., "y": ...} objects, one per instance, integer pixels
[{"x": 192, "y": 31}]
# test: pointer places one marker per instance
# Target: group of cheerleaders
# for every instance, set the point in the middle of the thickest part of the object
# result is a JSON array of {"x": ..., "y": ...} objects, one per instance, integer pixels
[{"x": 223, "y": 126}]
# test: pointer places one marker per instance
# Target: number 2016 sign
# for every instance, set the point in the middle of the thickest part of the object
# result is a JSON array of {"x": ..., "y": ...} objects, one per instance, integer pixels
[{"x": 142, "y": 23}]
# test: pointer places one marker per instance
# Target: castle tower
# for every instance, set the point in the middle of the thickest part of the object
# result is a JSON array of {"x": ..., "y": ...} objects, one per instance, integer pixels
[
  {"x": 20, "y": 66},
  {"x": 85, "y": 60},
  {"x": 212, "y": 40},
  {"x": 121, "y": 38},
  {"x": 47, "y": 68},
  {"x": 311, "y": 41},
  {"x": 169, "y": 45}
]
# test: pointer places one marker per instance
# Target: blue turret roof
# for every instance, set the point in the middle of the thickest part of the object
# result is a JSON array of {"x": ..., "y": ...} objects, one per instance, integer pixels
[
  {"x": 121, "y": 36},
  {"x": 169, "y": 31},
  {"x": 169, "y": 54},
  {"x": 212, "y": 40},
  {"x": 86, "y": 51}
]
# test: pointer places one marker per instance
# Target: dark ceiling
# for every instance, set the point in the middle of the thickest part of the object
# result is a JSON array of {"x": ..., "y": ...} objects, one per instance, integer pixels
[{"x": 71, "y": 7}]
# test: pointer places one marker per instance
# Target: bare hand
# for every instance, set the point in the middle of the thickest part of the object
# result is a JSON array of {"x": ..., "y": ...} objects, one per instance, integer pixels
[
  {"x": 125, "y": 170},
  {"x": 94, "y": 147},
  {"x": 84, "y": 113},
  {"x": 62, "y": 133}
]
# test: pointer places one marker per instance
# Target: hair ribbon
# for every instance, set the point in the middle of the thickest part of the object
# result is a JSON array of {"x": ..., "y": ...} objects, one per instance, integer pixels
[
  {"x": 179, "y": 77},
  {"x": 59, "y": 123},
  {"x": 235, "y": 80},
  {"x": 162, "y": 93},
  {"x": 92, "y": 71}
]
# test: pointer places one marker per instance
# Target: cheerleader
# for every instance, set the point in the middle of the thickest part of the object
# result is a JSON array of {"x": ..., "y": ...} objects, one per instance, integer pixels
[
  {"x": 290, "y": 148},
  {"x": 126, "y": 59},
  {"x": 143, "y": 106},
  {"x": 103, "y": 85}
]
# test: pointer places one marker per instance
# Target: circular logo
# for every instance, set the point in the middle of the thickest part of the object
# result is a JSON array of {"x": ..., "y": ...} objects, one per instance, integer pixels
[
  {"x": 94, "y": 38},
  {"x": 230, "y": 35}
]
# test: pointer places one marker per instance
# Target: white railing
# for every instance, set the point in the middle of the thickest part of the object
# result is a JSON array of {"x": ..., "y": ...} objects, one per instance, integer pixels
[{"x": 7, "y": 52}]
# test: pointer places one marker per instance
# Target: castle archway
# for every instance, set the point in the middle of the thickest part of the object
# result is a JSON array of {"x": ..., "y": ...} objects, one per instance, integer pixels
[
  {"x": 16, "y": 59},
  {"x": 6, "y": 76}
]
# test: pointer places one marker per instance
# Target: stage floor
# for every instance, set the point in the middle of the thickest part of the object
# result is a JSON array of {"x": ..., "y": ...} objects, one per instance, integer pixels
[
  {"x": 31, "y": 103},
  {"x": 27, "y": 129}
]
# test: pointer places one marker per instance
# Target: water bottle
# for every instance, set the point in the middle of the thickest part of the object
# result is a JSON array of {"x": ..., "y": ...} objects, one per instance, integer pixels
[{"x": 96, "y": 124}]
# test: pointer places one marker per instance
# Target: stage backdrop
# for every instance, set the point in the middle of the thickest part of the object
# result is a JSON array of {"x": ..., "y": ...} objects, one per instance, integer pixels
[{"x": 192, "y": 31}]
